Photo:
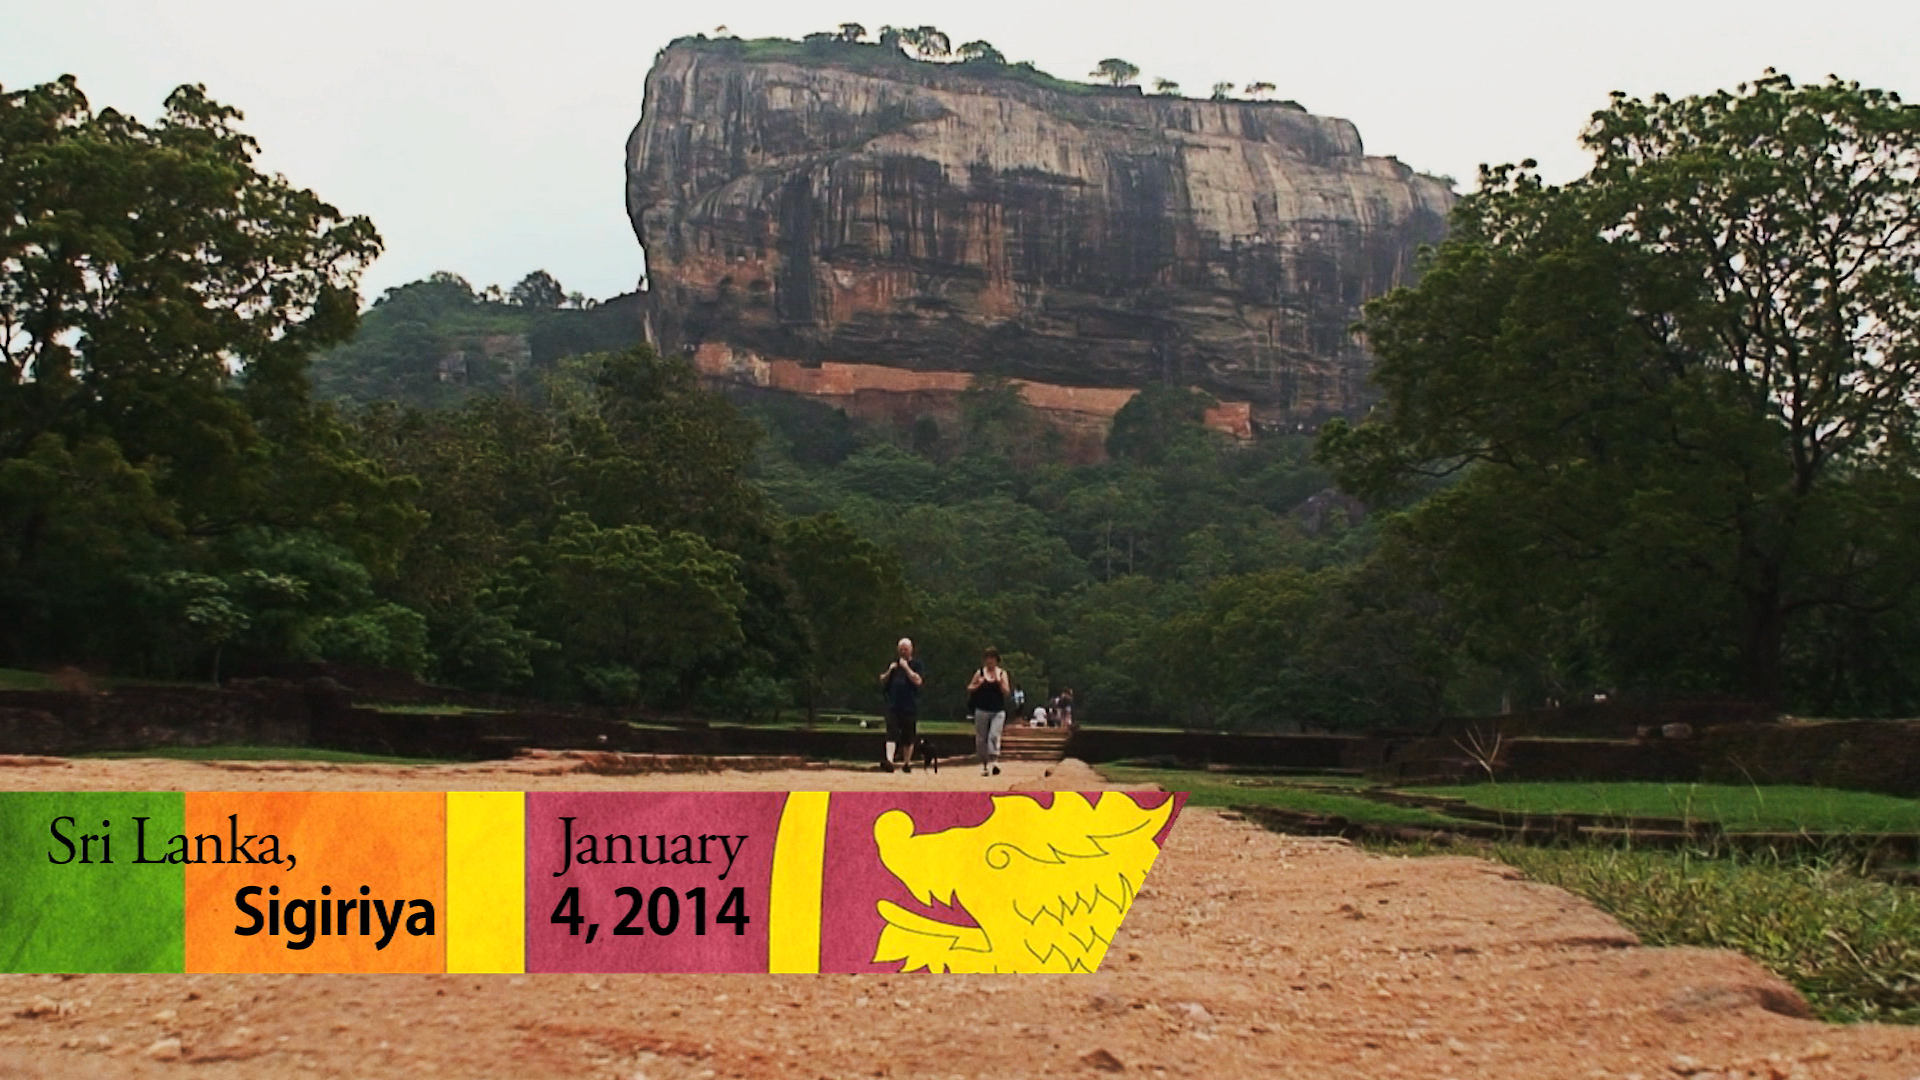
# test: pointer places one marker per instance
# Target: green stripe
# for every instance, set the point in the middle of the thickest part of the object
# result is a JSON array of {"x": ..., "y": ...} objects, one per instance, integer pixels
[{"x": 90, "y": 917}]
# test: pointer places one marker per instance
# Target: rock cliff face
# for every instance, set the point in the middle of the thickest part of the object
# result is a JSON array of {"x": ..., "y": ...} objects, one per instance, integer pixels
[{"x": 845, "y": 224}]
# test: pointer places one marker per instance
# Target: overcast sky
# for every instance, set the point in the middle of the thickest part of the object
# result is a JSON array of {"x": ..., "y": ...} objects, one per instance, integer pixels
[{"x": 488, "y": 138}]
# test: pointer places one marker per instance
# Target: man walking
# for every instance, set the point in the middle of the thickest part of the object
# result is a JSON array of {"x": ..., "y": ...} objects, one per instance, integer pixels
[
  {"x": 900, "y": 683},
  {"x": 987, "y": 696}
]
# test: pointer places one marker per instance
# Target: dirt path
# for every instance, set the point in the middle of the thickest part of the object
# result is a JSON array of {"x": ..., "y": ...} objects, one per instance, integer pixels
[{"x": 1248, "y": 955}]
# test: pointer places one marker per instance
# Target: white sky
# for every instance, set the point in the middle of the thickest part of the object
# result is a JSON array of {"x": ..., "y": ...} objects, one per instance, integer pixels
[{"x": 488, "y": 139}]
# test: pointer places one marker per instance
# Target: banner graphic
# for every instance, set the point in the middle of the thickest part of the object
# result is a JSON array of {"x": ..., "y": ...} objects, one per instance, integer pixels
[{"x": 508, "y": 882}]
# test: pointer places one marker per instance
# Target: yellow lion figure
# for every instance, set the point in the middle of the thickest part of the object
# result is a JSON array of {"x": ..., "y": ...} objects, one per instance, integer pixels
[{"x": 1044, "y": 888}]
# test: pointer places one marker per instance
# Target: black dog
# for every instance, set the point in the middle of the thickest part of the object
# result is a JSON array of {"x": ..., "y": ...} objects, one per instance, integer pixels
[{"x": 924, "y": 755}]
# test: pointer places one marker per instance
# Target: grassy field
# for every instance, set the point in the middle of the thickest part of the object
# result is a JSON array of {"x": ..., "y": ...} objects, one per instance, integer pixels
[
  {"x": 1220, "y": 789},
  {"x": 20, "y": 679},
  {"x": 15, "y": 679},
  {"x": 413, "y": 709},
  {"x": 1850, "y": 945},
  {"x": 1736, "y": 808}
]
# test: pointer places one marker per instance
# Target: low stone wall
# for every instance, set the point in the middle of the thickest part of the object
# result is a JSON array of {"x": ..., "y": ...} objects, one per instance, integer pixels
[
  {"x": 319, "y": 712},
  {"x": 501, "y": 735},
  {"x": 143, "y": 717},
  {"x": 1860, "y": 755},
  {"x": 1863, "y": 755},
  {"x": 1599, "y": 760},
  {"x": 1095, "y": 745},
  {"x": 1607, "y": 719}
]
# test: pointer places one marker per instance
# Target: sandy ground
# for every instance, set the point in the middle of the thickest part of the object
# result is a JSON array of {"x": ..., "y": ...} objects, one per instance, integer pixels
[{"x": 1247, "y": 955}]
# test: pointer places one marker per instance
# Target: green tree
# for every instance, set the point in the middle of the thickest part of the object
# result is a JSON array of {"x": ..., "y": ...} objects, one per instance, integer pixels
[
  {"x": 1165, "y": 86},
  {"x": 159, "y": 297},
  {"x": 214, "y": 610},
  {"x": 995, "y": 418},
  {"x": 1258, "y": 91},
  {"x": 139, "y": 262},
  {"x": 649, "y": 446},
  {"x": 980, "y": 52},
  {"x": 1115, "y": 71},
  {"x": 930, "y": 43},
  {"x": 77, "y": 523},
  {"x": 852, "y": 31},
  {"x": 632, "y": 599},
  {"x": 853, "y": 598},
  {"x": 1680, "y": 385},
  {"x": 538, "y": 290},
  {"x": 1112, "y": 522},
  {"x": 1160, "y": 423},
  {"x": 1222, "y": 91}
]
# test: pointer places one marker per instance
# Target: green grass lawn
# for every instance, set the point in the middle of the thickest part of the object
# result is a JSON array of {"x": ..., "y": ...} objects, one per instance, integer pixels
[
  {"x": 412, "y": 709},
  {"x": 16, "y": 679},
  {"x": 262, "y": 753},
  {"x": 877, "y": 726},
  {"x": 20, "y": 679},
  {"x": 1852, "y": 946},
  {"x": 1737, "y": 808},
  {"x": 1219, "y": 789}
]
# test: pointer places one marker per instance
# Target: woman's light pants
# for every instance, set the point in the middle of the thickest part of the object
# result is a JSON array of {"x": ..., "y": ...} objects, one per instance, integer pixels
[{"x": 986, "y": 734}]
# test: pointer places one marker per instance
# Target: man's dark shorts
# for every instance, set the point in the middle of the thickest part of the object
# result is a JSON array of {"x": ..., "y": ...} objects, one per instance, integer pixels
[{"x": 903, "y": 728}]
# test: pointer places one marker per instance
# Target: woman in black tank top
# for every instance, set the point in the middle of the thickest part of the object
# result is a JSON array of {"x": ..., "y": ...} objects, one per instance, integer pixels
[{"x": 987, "y": 696}]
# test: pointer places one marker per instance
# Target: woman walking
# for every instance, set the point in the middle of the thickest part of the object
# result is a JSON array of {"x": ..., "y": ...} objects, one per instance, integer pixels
[{"x": 987, "y": 696}]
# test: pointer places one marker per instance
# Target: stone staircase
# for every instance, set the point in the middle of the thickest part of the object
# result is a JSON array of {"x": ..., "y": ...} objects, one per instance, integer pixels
[{"x": 1022, "y": 743}]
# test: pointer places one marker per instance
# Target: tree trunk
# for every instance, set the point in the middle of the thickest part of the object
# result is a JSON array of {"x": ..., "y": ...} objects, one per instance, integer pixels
[{"x": 1760, "y": 652}]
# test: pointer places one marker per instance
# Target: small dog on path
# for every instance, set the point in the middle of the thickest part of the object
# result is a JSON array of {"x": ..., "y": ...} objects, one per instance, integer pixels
[{"x": 925, "y": 756}]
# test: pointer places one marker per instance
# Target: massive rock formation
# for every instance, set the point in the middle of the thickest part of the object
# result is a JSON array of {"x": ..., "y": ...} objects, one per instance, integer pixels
[{"x": 850, "y": 224}]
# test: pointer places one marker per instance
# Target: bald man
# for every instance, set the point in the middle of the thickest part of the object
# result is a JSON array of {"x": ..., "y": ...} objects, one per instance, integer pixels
[{"x": 901, "y": 685}]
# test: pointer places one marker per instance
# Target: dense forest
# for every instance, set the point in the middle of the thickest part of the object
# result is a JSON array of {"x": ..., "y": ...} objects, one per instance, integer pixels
[
  {"x": 1623, "y": 446},
  {"x": 810, "y": 541}
]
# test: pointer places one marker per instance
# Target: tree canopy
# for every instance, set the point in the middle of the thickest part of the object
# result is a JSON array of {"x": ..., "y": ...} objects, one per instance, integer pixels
[
  {"x": 1676, "y": 398},
  {"x": 1115, "y": 71},
  {"x": 1652, "y": 430},
  {"x": 538, "y": 290},
  {"x": 980, "y": 52},
  {"x": 159, "y": 298},
  {"x": 154, "y": 259}
]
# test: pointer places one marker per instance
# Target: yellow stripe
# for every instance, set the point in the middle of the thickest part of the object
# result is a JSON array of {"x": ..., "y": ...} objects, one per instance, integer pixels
[
  {"x": 486, "y": 882},
  {"x": 793, "y": 905}
]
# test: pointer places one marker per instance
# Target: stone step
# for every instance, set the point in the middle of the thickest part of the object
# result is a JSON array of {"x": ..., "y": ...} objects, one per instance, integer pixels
[{"x": 1021, "y": 743}]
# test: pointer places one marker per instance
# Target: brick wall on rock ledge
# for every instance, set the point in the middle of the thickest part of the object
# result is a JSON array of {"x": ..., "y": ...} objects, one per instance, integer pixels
[{"x": 1086, "y": 410}]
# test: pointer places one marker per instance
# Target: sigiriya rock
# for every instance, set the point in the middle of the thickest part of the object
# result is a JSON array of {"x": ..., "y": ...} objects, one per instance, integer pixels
[{"x": 847, "y": 223}]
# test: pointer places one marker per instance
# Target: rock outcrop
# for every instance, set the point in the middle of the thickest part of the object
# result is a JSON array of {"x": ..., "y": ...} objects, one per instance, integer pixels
[{"x": 845, "y": 223}]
